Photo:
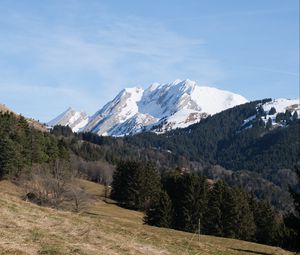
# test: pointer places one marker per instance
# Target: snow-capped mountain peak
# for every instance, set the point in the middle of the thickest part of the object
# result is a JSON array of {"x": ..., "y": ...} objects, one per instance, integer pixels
[
  {"x": 75, "y": 120},
  {"x": 160, "y": 107}
]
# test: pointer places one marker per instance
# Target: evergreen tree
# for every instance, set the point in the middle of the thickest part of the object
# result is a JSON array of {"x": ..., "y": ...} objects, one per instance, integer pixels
[
  {"x": 272, "y": 111},
  {"x": 265, "y": 221},
  {"x": 170, "y": 185},
  {"x": 191, "y": 202},
  {"x": 22, "y": 145},
  {"x": 288, "y": 117},
  {"x": 230, "y": 213},
  {"x": 280, "y": 117},
  {"x": 159, "y": 213},
  {"x": 293, "y": 220},
  {"x": 261, "y": 123},
  {"x": 152, "y": 185},
  {"x": 288, "y": 114},
  {"x": 8, "y": 157},
  {"x": 127, "y": 184},
  {"x": 60, "y": 130},
  {"x": 245, "y": 228},
  {"x": 212, "y": 221},
  {"x": 295, "y": 116},
  {"x": 269, "y": 124},
  {"x": 131, "y": 184},
  {"x": 38, "y": 154},
  {"x": 63, "y": 150},
  {"x": 260, "y": 111}
]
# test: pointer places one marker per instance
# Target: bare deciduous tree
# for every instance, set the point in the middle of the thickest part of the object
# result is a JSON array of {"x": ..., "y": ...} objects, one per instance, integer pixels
[
  {"x": 77, "y": 198},
  {"x": 97, "y": 171}
]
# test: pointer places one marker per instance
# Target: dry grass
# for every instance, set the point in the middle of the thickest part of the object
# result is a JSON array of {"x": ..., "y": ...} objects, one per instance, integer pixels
[
  {"x": 32, "y": 122},
  {"x": 3, "y": 108},
  {"x": 26, "y": 228}
]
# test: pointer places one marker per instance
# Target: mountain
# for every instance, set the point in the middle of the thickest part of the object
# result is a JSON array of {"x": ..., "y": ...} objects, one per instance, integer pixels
[
  {"x": 237, "y": 138},
  {"x": 259, "y": 158},
  {"x": 75, "y": 120},
  {"x": 159, "y": 108}
]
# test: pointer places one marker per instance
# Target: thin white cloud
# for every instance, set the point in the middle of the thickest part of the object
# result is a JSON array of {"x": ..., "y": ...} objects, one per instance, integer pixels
[{"x": 116, "y": 52}]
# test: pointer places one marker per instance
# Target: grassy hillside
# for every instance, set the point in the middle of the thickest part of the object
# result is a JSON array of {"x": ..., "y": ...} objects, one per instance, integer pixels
[
  {"x": 103, "y": 228},
  {"x": 31, "y": 122}
]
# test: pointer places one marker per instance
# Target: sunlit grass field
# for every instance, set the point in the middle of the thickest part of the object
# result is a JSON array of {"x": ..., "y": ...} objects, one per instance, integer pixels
[{"x": 101, "y": 228}]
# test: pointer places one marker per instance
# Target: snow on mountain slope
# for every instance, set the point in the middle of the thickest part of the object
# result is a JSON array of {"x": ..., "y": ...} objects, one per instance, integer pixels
[
  {"x": 75, "y": 120},
  {"x": 121, "y": 108},
  {"x": 159, "y": 108},
  {"x": 282, "y": 104},
  {"x": 138, "y": 123},
  {"x": 277, "y": 115}
]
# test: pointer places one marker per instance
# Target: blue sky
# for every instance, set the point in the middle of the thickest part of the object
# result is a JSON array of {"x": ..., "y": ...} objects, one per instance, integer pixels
[{"x": 55, "y": 54}]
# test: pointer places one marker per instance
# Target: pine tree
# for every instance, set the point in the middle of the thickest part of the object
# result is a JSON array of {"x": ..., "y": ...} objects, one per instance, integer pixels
[
  {"x": 261, "y": 123},
  {"x": 60, "y": 130},
  {"x": 272, "y": 111},
  {"x": 190, "y": 202},
  {"x": 8, "y": 158},
  {"x": 265, "y": 222},
  {"x": 230, "y": 213},
  {"x": 134, "y": 184},
  {"x": 288, "y": 114},
  {"x": 237, "y": 218},
  {"x": 269, "y": 124},
  {"x": 38, "y": 153},
  {"x": 295, "y": 116},
  {"x": 63, "y": 150},
  {"x": 288, "y": 117},
  {"x": 245, "y": 225},
  {"x": 151, "y": 185},
  {"x": 127, "y": 184},
  {"x": 293, "y": 220},
  {"x": 159, "y": 213},
  {"x": 260, "y": 111},
  {"x": 212, "y": 221}
]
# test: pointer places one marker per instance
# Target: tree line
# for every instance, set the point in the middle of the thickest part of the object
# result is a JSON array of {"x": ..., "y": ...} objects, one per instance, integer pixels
[
  {"x": 22, "y": 146},
  {"x": 40, "y": 163},
  {"x": 224, "y": 139},
  {"x": 180, "y": 200}
]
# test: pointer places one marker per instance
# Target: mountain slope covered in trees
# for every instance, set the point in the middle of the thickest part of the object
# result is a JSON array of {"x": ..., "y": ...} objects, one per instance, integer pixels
[
  {"x": 180, "y": 198},
  {"x": 21, "y": 145},
  {"x": 259, "y": 159},
  {"x": 220, "y": 139}
]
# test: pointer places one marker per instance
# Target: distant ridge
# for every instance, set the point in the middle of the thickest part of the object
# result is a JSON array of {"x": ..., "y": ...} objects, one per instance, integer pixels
[
  {"x": 159, "y": 108},
  {"x": 70, "y": 117}
]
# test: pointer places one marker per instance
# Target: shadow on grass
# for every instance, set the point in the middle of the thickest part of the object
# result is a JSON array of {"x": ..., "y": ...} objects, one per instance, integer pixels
[{"x": 254, "y": 252}]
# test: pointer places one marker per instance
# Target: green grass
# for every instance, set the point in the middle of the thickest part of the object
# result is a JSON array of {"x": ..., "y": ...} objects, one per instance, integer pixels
[{"x": 103, "y": 228}]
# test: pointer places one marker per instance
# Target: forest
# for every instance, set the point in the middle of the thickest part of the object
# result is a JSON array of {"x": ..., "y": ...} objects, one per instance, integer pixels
[
  {"x": 215, "y": 176},
  {"x": 189, "y": 202}
]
